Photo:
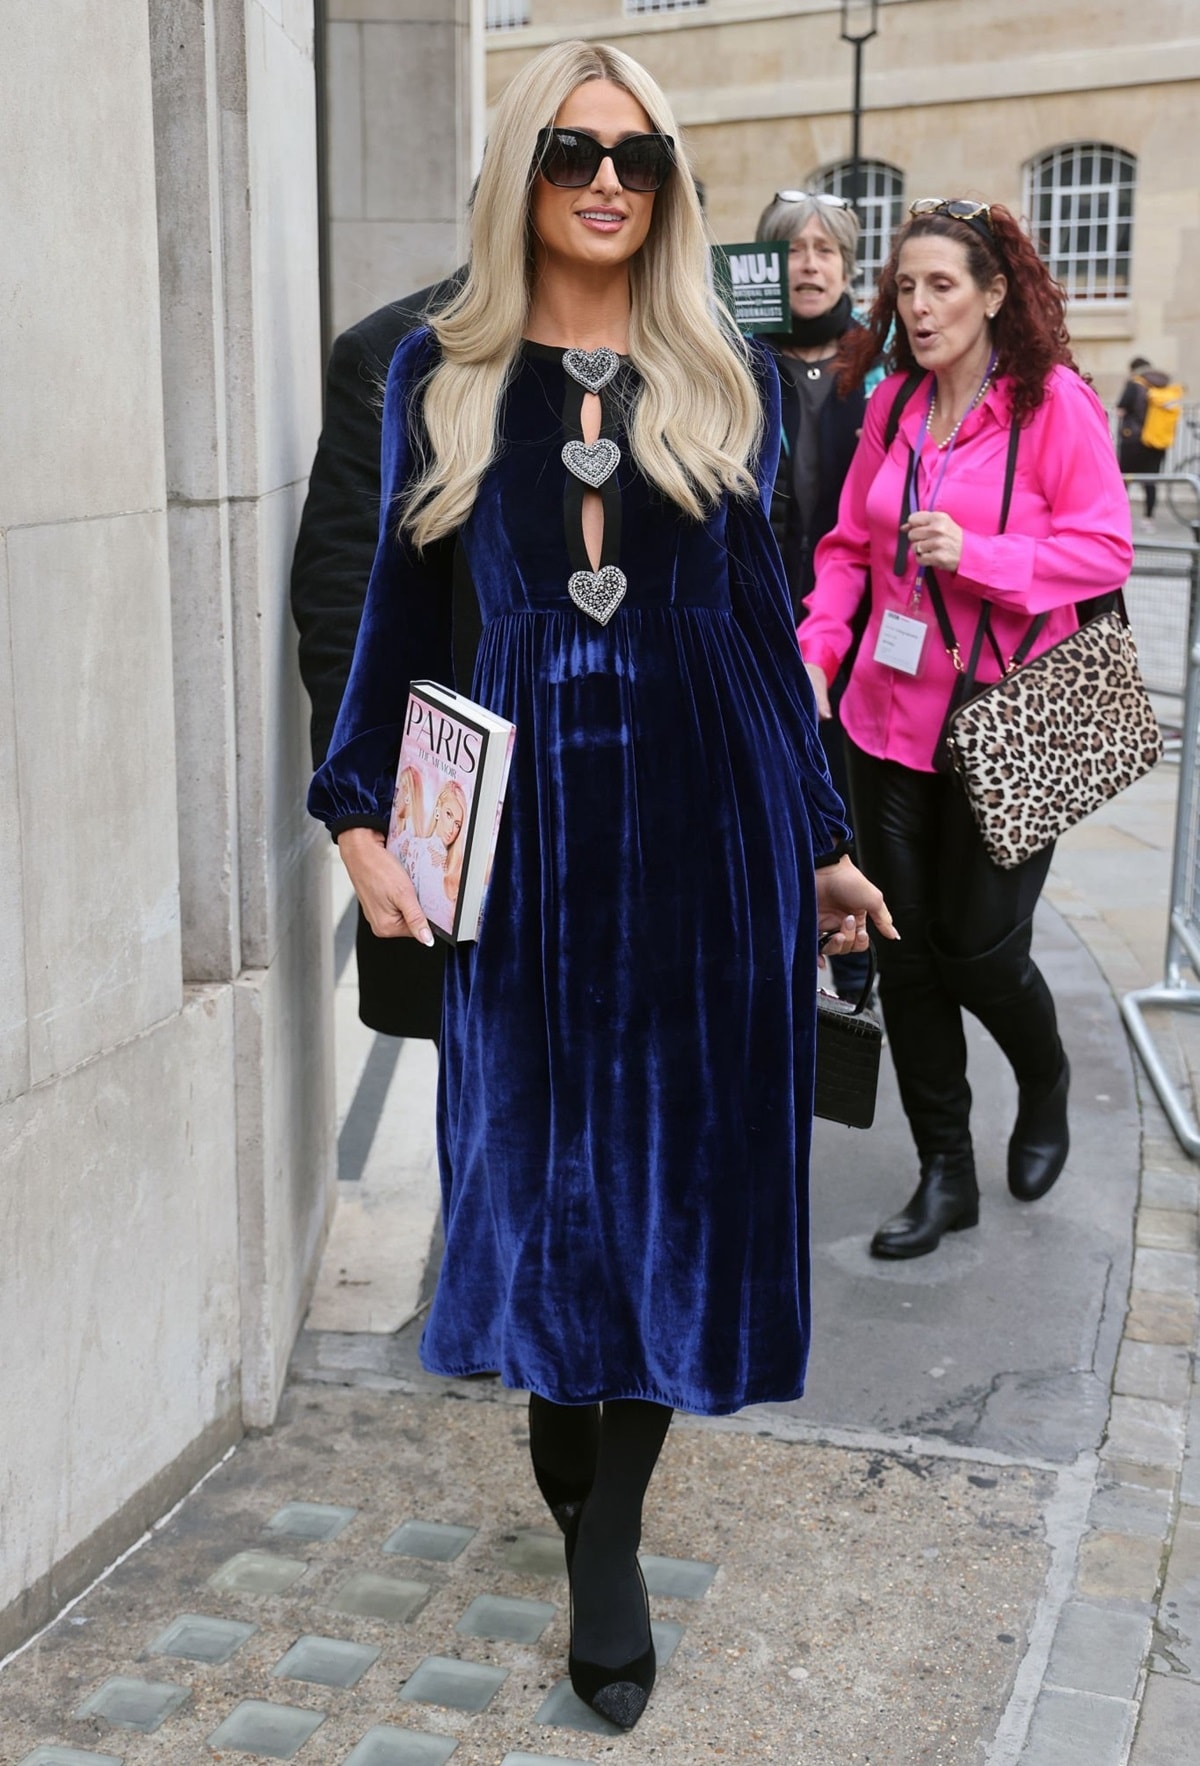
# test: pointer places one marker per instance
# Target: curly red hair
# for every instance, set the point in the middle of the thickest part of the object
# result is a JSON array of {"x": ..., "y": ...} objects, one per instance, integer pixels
[{"x": 1029, "y": 331}]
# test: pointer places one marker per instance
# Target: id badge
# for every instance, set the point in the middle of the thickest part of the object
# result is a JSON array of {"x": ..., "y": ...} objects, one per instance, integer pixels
[{"x": 900, "y": 642}]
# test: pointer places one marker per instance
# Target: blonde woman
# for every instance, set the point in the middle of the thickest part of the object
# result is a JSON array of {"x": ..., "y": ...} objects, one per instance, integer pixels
[{"x": 626, "y": 1075}]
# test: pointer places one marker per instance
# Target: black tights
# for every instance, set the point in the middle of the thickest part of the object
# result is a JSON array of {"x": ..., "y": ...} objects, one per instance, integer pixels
[
  {"x": 619, "y": 1445},
  {"x": 966, "y": 927}
]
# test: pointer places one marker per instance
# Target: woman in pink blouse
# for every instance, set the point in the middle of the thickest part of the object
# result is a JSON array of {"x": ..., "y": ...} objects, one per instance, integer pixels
[{"x": 978, "y": 336}]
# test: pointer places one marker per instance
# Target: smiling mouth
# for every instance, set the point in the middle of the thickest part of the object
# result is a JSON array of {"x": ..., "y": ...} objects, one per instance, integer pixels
[{"x": 605, "y": 216}]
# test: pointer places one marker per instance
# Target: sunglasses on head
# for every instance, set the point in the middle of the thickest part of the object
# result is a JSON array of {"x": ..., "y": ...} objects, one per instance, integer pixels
[
  {"x": 969, "y": 212},
  {"x": 569, "y": 159},
  {"x": 813, "y": 196}
]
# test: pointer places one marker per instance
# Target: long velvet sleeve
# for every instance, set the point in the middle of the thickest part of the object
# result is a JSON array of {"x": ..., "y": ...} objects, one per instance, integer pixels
[
  {"x": 405, "y": 633},
  {"x": 762, "y": 608}
]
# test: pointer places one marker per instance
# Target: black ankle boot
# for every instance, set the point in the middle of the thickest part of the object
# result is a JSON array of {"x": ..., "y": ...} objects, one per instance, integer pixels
[
  {"x": 1041, "y": 1138},
  {"x": 621, "y": 1694},
  {"x": 946, "y": 1201}
]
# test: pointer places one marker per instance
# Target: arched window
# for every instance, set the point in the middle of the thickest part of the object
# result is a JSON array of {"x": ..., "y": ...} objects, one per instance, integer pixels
[
  {"x": 880, "y": 211},
  {"x": 1080, "y": 202}
]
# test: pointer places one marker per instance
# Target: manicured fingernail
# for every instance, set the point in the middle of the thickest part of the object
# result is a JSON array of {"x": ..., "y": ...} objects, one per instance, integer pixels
[{"x": 426, "y": 936}]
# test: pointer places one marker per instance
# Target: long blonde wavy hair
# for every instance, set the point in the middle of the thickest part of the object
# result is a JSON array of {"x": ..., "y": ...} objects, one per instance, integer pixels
[{"x": 695, "y": 423}]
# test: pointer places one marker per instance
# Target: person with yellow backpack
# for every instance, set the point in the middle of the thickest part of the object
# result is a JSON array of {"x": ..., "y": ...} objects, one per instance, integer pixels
[{"x": 1150, "y": 406}]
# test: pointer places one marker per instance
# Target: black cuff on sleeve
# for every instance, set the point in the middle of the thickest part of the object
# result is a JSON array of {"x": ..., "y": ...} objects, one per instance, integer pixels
[
  {"x": 843, "y": 849},
  {"x": 340, "y": 826}
]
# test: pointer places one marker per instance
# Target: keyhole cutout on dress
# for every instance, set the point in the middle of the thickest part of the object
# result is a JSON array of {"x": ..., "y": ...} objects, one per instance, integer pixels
[{"x": 590, "y": 418}]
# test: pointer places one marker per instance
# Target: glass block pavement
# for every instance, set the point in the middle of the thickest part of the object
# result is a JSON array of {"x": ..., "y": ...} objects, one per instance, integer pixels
[
  {"x": 134, "y": 1704},
  {"x": 387, "y": 1746},
  {"x": 366, "y": 1596},
  {"x": 457, "y": 1685},
  {"x": 431, "y": 1540},
  {"x": 258, "y": 1727},
  {"x": 326, "y": 1661},
  {"x": 522, "y": 1759},
  {"x": 194, "y": 1638},
  {"x": 257, "y": 1572},
  {"x": 500, "y": 1618},
  {"x": 266, "y": 1584},
  {"x": 56, "y": 1756},
  {"x": 310, "y": 1520}
]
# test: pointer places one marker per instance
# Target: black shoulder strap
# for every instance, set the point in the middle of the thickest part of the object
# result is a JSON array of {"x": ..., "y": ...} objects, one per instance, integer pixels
[
  {"x": 1010, "y": 473},
  {"x": 904, "y": 392},
  {"x": 983, "y": 628},
  {"x": 912, "y": 381}
]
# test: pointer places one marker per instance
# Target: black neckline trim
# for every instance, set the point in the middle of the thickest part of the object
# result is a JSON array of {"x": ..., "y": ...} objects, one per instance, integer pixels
[{"x": 549, "y": 352}]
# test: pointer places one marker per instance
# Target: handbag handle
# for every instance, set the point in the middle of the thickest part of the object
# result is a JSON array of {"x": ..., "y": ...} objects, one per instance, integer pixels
[{"x": 872, "y": 972}]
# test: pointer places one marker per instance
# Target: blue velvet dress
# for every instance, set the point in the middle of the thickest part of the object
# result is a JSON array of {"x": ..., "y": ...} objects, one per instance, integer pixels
[{"x": 625, "y": 1090}]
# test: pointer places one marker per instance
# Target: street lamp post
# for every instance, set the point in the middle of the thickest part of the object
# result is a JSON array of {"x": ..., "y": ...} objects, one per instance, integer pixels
[{"x": 857, "y": 14}]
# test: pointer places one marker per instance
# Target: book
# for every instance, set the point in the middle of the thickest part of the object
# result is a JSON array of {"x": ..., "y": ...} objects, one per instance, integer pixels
[{"x": 449, "y": 797}]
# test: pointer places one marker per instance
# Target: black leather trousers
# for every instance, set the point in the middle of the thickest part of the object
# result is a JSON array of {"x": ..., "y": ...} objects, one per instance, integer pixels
[{"x": 966, "y": 928}]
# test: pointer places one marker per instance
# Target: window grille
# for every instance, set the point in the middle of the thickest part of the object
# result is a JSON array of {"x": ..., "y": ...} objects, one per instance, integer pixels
[
  {"x": 636, "y": 7},
  {"x": 507, "y": 15},
  {"x": 880, "y": 210},
  {"x": 1079, "y": 199}
]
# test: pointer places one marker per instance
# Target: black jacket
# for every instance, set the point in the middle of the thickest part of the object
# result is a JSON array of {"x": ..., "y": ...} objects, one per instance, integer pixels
[
  {"x": 1132, "y": 453},
  {"x": 839, "y": 424},
  {"x": 399, "y": 981}
]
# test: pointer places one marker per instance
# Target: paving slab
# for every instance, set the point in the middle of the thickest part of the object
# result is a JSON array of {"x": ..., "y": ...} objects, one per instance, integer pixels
[
  {"x": 1177, "y": 1633},
  {"x": 831, "y": 1604},
  {"x": 1006, "y": 1337},
  {"x": 1099, "y": 1650},
  {"x": 1169, "y": 1727},
  {"x": 1081, "y": 1729}
]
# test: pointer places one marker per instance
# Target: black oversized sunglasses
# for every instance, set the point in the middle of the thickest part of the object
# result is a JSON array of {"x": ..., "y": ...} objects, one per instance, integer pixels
[{"x": 570, "y": 160}]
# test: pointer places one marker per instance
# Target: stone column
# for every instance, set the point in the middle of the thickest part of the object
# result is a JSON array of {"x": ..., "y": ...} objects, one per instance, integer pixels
[
  {"x": 235, "y": 130},
  {"x": 166, "y": 1114}
]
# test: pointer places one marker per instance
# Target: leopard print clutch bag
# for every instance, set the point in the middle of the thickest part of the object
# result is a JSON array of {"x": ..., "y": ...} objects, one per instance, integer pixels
[{"x": 1054, "y": 739}]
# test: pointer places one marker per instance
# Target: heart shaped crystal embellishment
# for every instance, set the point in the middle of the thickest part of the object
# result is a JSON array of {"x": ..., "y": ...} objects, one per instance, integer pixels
[
  {"x": 591, "y": 368},
  {"x": 598, "y": 592},
  {"x": 591, "y": 461}
]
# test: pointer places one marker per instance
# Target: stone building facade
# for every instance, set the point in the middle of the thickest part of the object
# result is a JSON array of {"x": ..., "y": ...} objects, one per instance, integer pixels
[
  {"x": 1085, "y": 109},
  {"x": 167, "y": 1157}
]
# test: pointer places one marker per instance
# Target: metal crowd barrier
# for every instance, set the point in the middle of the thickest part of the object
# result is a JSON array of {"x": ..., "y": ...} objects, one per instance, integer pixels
[{"x": 1179, "y": 989}]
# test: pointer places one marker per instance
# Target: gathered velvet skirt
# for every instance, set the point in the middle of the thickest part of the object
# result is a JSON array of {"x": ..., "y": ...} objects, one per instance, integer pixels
[{"x": 626, "y": 1066}]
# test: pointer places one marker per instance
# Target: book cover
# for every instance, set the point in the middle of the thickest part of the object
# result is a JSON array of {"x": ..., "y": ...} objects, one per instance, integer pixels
[{"x": 449, "y": 797}]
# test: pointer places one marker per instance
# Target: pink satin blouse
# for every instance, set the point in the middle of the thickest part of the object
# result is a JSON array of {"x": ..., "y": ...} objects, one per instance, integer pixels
[{"x": 1068, "y": 538}]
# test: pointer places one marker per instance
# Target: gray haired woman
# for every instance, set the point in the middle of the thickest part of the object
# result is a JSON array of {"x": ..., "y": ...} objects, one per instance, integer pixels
[
  {"x": 820, "y": 424},
  {"x": 820, "y": 428}
]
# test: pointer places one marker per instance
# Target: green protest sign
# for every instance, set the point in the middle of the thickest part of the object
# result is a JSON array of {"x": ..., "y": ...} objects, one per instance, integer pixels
[{"x": 753, "y": 282}]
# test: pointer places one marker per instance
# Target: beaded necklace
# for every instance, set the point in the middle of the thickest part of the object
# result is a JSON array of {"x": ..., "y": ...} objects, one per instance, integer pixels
[{"x": 941, "y": 446}]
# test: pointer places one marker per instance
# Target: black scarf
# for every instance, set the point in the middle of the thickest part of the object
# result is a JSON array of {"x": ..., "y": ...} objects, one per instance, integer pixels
[{"x": 807, "y": 334}]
